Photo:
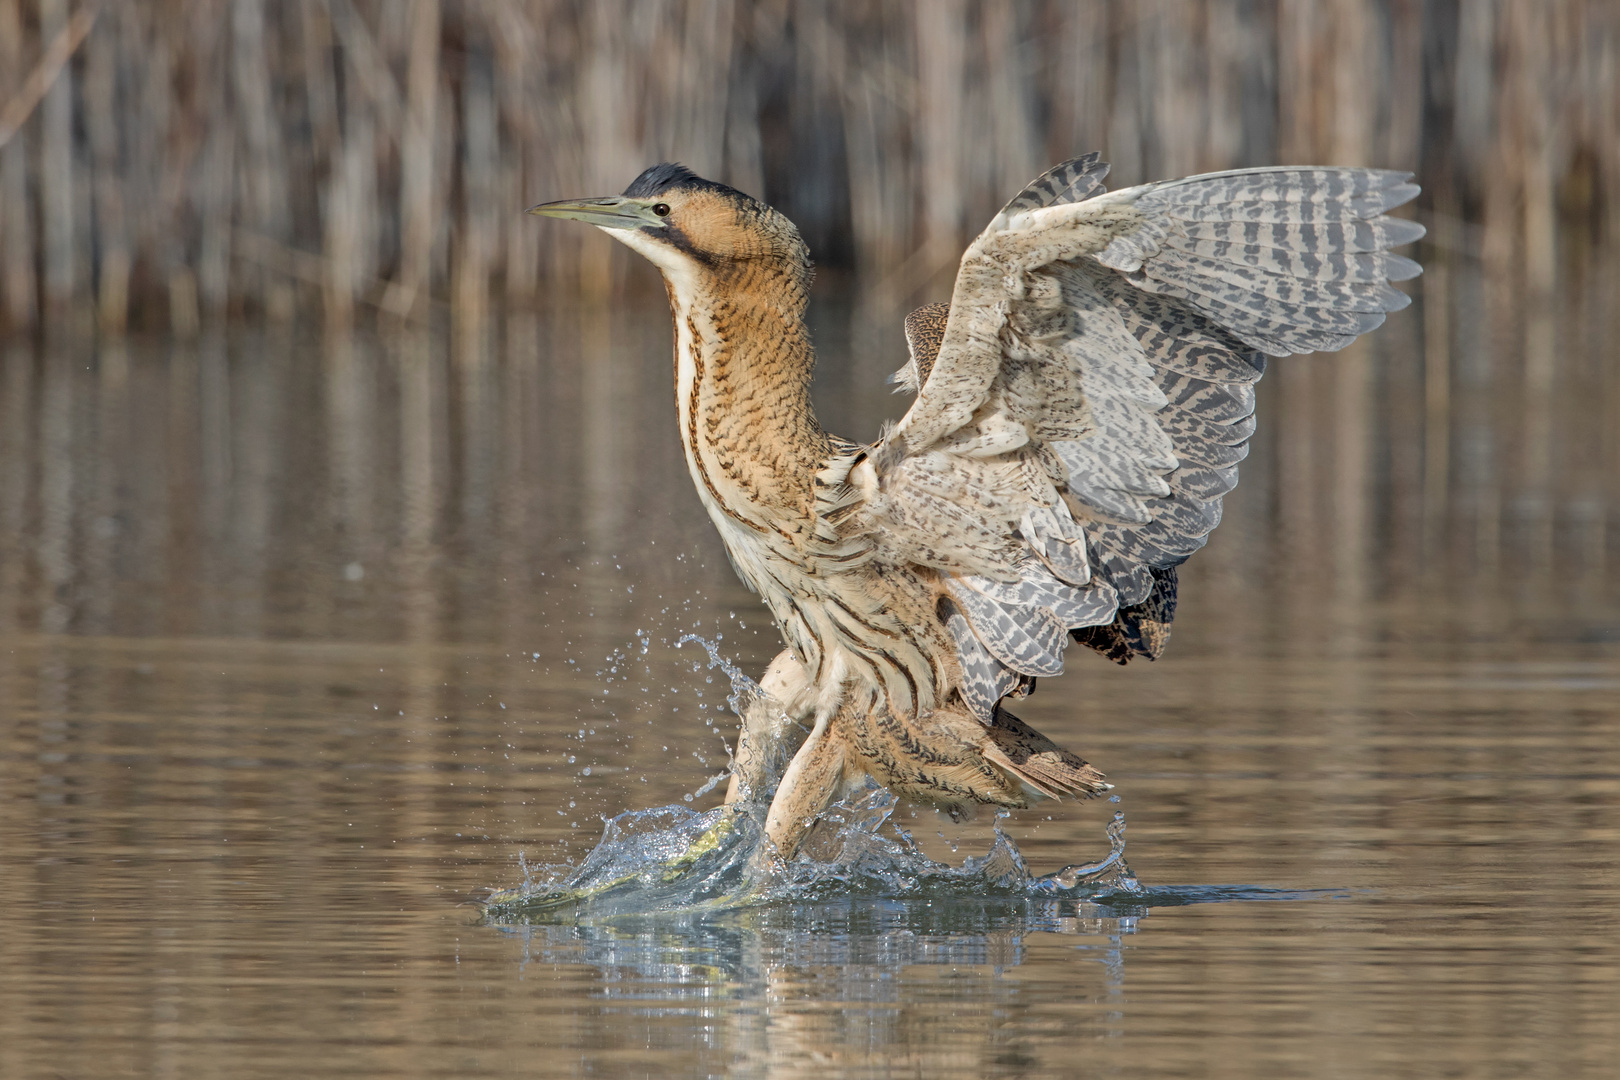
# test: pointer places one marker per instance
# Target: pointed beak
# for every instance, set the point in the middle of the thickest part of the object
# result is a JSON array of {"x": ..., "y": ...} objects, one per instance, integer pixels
[{"x": 615, "y": 212}]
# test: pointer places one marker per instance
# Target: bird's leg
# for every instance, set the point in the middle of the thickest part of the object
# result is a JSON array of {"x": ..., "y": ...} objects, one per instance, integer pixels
[
  {"x": 813, "y": 779},
  {"x": 771, "y": 729},
  {"x": 759, "y": 747}
]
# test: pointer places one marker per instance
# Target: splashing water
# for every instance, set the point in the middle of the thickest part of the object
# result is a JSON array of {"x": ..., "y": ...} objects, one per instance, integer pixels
[
  {"x": 743, "y": 689},
  {"x": 677, "y": 858},
  {"x": 746, "y": 697}
]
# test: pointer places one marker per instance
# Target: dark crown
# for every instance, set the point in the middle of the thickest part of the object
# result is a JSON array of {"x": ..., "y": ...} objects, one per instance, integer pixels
[{"x": 669, "y": 175}]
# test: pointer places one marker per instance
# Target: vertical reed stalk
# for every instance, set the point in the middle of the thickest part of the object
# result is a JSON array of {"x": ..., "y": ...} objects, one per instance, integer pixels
[
  {"x": 477, "y": 236},
  {"x": 941, "y": 56},
  {"x": 416, "y": 162},
  {"x": 56, "y": 165},
  {"x": 100, "y": 92},
  {"x": 17, "y": 242}
]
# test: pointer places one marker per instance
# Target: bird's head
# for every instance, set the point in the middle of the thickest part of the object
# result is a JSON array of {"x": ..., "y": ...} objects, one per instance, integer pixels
[{"x": 689, "y": 226}]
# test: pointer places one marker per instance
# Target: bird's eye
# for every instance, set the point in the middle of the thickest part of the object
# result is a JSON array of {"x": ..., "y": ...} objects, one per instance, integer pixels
[{"x": 661, "y": 209}]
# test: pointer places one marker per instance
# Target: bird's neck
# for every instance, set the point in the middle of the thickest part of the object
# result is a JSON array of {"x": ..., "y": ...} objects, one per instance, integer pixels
[{"x": 743, "y": 364}]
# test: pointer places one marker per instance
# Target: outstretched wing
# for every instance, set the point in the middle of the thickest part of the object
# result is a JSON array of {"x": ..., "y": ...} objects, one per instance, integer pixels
[{"x": 1086, "y": 397}]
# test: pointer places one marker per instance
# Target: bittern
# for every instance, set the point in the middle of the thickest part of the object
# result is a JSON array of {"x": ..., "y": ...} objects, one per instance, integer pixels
[{"x": 1082, "y": 404}]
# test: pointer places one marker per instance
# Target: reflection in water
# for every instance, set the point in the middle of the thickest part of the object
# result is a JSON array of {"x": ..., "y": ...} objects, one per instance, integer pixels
[
  {"x": 879, "y": 937},
  {"x": 856, "y": 964}
]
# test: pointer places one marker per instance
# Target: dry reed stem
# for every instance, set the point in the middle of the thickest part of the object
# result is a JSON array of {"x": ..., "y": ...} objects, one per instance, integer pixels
[{"x": 43, "y": 77}]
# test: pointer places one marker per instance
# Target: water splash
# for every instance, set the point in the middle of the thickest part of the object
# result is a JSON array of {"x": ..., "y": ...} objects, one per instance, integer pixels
[
  {"x": 744, "y": 691},
  {"x": 1111, "y": 870},
  {"x": 749, "y": 702},
  {"x": 676, "y": 858}
]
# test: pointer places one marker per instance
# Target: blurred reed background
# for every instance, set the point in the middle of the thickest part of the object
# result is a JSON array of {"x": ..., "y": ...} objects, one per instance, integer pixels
[
  {"x": 196, "y": 158},
  {"x": 215, "y": 175}
]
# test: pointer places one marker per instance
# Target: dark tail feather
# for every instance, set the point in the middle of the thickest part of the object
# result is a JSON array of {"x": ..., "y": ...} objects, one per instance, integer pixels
[{"x": 1139, "y": 630}]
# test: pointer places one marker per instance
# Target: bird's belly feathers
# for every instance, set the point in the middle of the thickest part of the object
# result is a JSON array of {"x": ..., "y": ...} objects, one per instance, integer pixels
[
  {"x": 869, "y": 625},
  {"x": 857, "y": 630}
]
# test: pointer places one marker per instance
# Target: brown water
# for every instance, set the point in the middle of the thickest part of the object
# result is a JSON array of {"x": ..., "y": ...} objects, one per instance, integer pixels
[{"x": 303, "y": 643}]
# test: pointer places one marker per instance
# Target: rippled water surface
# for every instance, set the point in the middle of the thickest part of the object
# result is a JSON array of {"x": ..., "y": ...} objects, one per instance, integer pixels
[{"x": 305, "y": 647}]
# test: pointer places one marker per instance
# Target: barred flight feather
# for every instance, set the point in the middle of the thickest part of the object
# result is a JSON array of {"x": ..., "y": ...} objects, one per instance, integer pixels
[
  {"x": 1286, "y": 186},
  {"x": 1200, "y": 442},
  {"x": 1218, "y": 403},
  {"x": 1038, "y": 588},
  {"x": 1072, "y": 181},
  {"x": 1138, "y": 629},
  {"x": 1250, "y": 312},
  {"x": 1175, "y": 337},
  {"x": 1031, "y": 645},
  {"x": 1275, "y": 328},
  {"x": 1375, "y": 235},
  {"x": 1198, "y": 482},
  {"x": 1339, "y": 266},
  {"x": 1132, "y": 580},
  {"x": 1106, "y": 503},
  {"x": 1104, "y": 462},
  {"x": 985, "y": 680},
  {"x": 1057, "y": 539},
  {"x": 1240, "y": 284},
  {"x": 1126, "y": 372},
  {"x": 1178, "y": 528},
  {"x": 1275, "y": 212}
]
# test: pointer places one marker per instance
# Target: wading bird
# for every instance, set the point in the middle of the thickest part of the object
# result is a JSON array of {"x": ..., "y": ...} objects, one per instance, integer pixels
[{"x": 1082, "y": 405}]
